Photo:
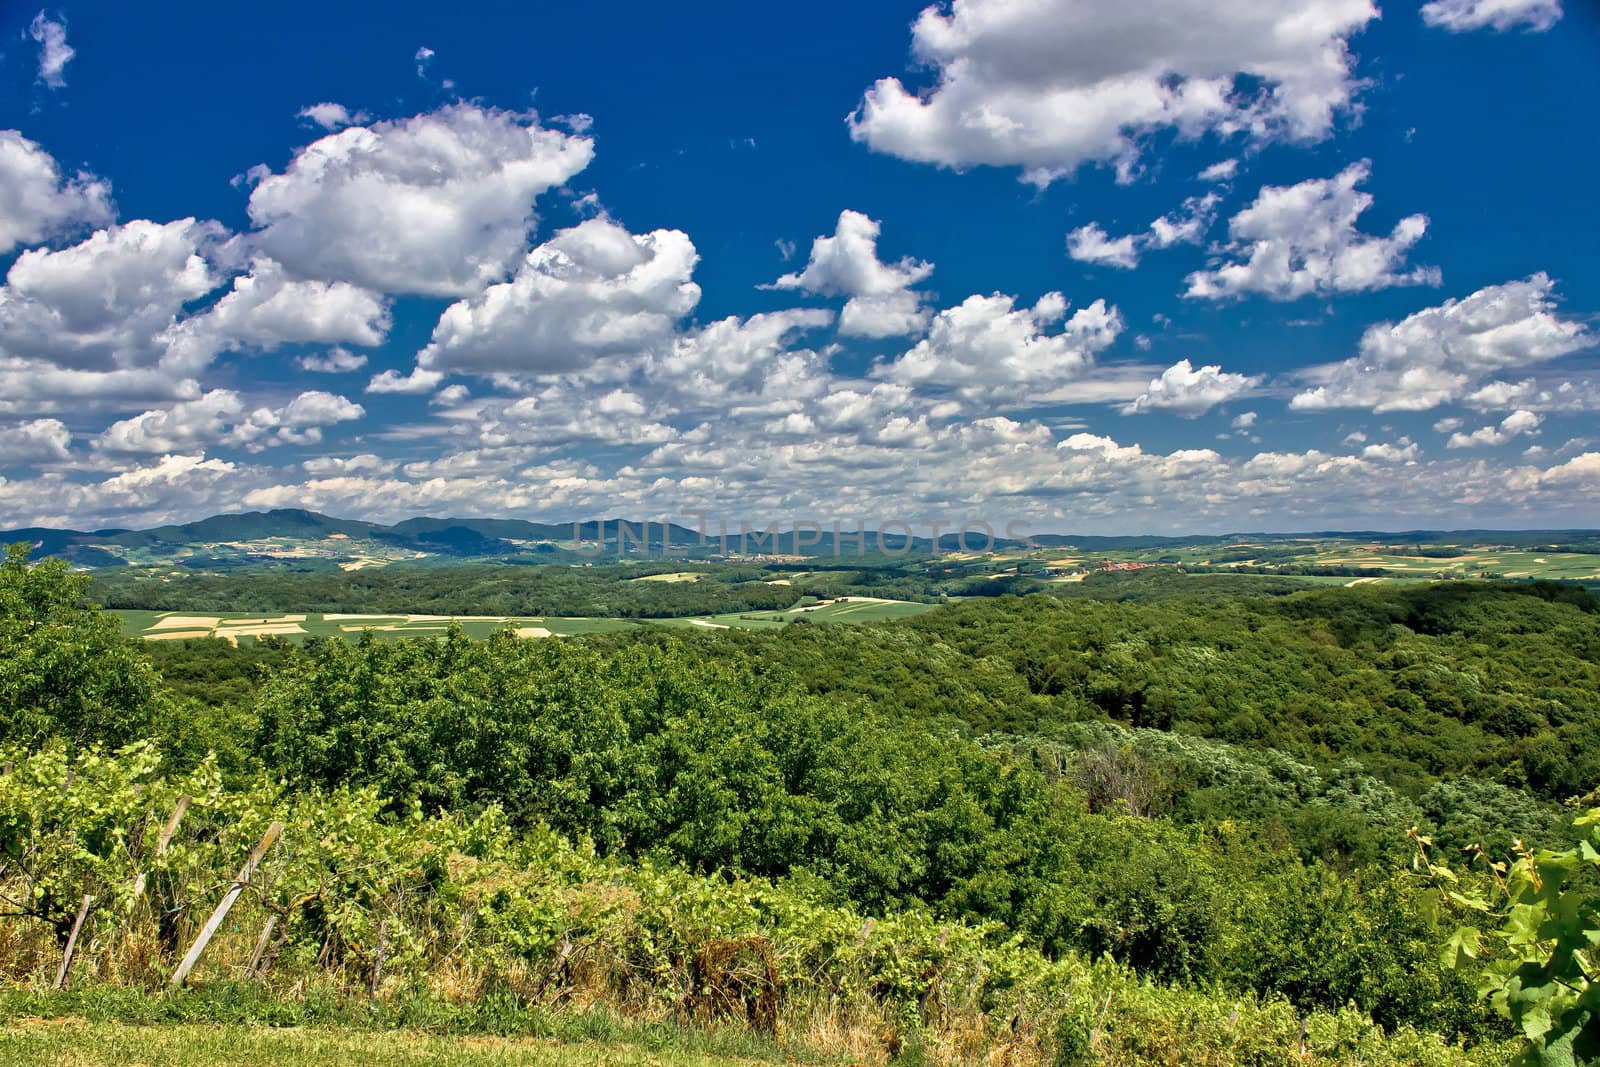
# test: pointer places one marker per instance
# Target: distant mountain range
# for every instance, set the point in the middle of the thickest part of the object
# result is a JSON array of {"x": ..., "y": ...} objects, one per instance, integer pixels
[{"x": 290, "y": 535}]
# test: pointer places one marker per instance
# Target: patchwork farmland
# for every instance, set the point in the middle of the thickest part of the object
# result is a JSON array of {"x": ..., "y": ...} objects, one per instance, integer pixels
[{"x": 298, "y": 626}]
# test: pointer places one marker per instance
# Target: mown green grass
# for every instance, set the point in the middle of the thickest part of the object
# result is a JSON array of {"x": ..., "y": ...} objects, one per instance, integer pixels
[
  {"x": 244, "y": 1023},
  {"x": 77, "y": 1043}
]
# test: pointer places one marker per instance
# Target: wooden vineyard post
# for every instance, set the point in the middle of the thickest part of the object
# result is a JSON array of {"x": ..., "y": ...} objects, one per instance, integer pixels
[
  {"x": 378, "y": 957},
  {"x": 261, "y": 946},
  {"x": 162, "y": 842},
  {"x": 245, "y": 873},
  {"x": 72, "y": 942}
]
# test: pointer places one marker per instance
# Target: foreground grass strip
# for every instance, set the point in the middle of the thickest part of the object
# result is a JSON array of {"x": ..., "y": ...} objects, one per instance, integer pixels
[{"x": 75, "y": 1042}]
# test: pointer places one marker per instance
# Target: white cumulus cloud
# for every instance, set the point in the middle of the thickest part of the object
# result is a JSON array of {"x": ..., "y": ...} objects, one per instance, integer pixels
[
  {"x": 589, "y": 292},
  {"x": 1436, "y": 355},
  {"x": 331, "y": 116},
  {"x": 34, "y": 441},
  {"x": 437, "y": 204},
  {"x": 1516, "y": 424},
  {"x": 222, "y": 416},
  {"x": 1091, "y": 244},
  {"x": 333, "y": 361},
  {"x": 1299, "y": 240},
  {"x": 38, "y": 202},
  {"x": 1187, "y": 225},
  {"x": 266, "y": 309},
  {"x": 846, "y": 263},
  {"x": 1052, "y": 84},
  {"x": 109, "y": 302},
  {"x": 1192, "y": 391},
  {"x": 987, "y": 347}
]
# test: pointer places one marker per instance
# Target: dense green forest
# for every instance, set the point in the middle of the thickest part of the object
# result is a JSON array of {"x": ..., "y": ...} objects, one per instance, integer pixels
[
  {"x": 1164, "y": 819},
  {"x": 618, "y": 590}
]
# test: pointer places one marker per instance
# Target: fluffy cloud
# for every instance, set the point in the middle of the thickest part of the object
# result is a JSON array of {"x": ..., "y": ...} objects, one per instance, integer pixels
[
  {"x": 108, "y": 319},
  {"x": 365, "y": 463},
  {"x": 194, "y": 423},
  {"x": 221, "y": 416},
  {"x": 266, "y": 309},
  {"x": 1187, "y": 225},
  {"x": 1192, "y": 391},
  {"x": 864, "y": 454},
  {"x": 1459, "y": 16},
  {"x": 1435, "y": 355},
  {"x": 885, "y": 315},
  {"x": 37, "y": 441},
  {"x": 504, "y": 434},
  {"x": 1221, "y": 171},
  {"x": 987, "y": 347},
  {"x": 54, "y": 51},
  {"x": 744, "y": 362},
  {"x": 1300, "y": 240},
  {"x": 847, "y": 263},
  {"x": 334, "y": 361},
  {"x": 170, "y": 489},
  {"x": 110, "y": 302},
  {"x": 1048, "y": 86},
  {"x": 591, "y": 291},
  {"x": 1513, "y": 425},
  {"x": 419, "y": 381},
  {"x": 1091, "y": 244},
  {"x": 881, "y": 303},
  {"x": 331, "y": 116},
  {"x": 37, "y": 202},
  {"x": 1535, "y": 395},
  {"x": 438, "y": 204},
  {"x": 1404, "y": 450}
]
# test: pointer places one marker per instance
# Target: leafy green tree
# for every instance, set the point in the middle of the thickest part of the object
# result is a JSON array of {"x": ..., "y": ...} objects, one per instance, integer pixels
[
  {"x": 65, "y": 670},
  {"x": 1536, "y": 943}
]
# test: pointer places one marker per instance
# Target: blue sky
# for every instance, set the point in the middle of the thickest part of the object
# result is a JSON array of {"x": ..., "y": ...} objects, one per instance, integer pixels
[{"x": 1198, "y": 266}]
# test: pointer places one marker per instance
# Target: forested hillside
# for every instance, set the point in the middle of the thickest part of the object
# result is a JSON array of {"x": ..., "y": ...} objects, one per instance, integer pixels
[{"x": 1178, "y": 827}]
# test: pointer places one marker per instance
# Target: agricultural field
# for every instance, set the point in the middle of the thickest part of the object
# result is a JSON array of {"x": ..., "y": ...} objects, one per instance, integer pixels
[
  {"x": 298, "y": 626},
  {"x": 1417, "y": 561}
]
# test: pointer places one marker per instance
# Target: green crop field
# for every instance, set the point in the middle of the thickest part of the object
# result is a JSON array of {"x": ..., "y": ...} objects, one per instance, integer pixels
[{"x": 297, "y": 626}]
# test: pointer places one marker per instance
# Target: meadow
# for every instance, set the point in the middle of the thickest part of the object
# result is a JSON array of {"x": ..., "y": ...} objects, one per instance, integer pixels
[{"x": 74, "y": 1042}]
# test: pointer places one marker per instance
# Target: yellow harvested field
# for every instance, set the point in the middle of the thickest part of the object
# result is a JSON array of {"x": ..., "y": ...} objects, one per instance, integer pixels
[
  {"x": 264, "y": 629},
  {"x": 843, "y": 599},
  {"x": 676, "y": 576},
  {"x": 335, "y": 617},
  {"x": 532, "y": 631},
  {"x": 186, "y": 622},
  {"x": 176, "y": 635},
  {"x": 707, "y": 624},
  {"x": 779, "y": 581}
]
